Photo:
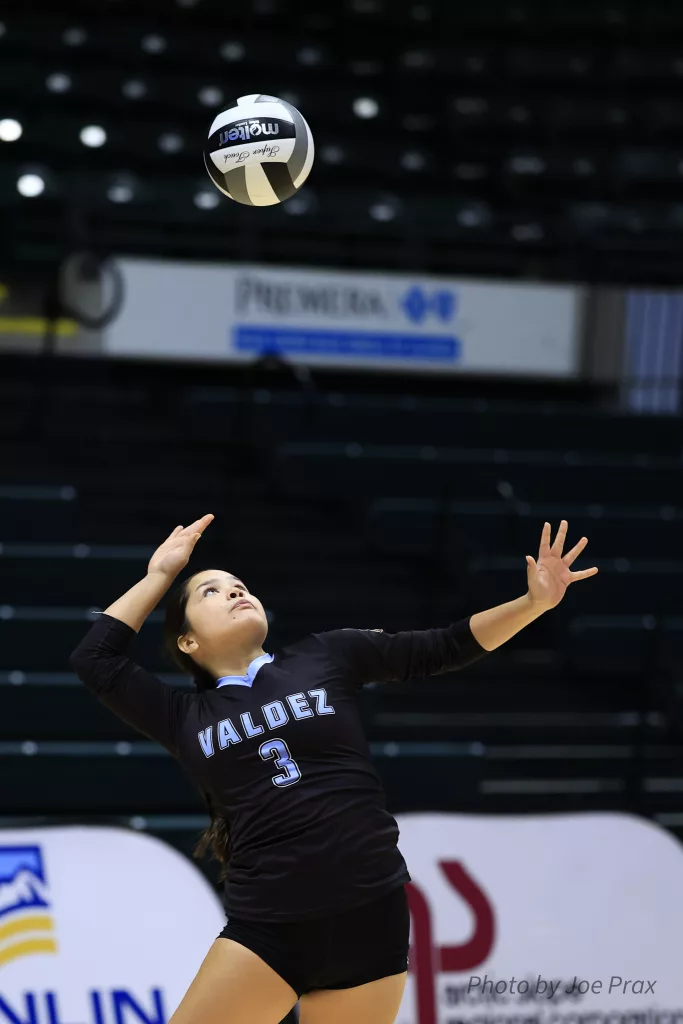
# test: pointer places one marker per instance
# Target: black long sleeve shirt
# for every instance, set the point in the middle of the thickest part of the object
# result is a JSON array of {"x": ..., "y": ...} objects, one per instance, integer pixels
[{"x": 283, "y": 755}]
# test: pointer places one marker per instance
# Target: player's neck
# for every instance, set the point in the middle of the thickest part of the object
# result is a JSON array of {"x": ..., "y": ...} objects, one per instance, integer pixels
[{"x": 238, "y": 664}]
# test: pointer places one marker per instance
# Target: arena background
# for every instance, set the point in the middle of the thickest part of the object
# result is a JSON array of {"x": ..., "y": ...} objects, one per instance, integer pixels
[{"x": 497, "y": 190}]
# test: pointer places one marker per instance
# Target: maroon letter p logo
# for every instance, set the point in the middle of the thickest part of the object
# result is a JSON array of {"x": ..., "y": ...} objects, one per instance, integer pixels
[{"x": 426, "y": 961}]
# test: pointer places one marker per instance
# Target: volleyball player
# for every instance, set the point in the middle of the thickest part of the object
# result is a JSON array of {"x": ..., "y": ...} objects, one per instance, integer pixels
[{"x": 314, "y": 881}]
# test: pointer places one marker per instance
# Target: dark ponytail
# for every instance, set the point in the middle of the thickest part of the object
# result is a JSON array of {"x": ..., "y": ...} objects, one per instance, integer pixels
[{"x": 215, "y": 838}]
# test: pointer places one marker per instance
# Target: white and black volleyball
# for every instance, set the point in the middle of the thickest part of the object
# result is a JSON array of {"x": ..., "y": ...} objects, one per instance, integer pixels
[{"x": 260, "y": 151}]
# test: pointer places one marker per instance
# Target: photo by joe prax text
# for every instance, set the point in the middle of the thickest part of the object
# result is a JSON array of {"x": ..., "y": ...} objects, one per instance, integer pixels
[{"x": 550, "y": 988}]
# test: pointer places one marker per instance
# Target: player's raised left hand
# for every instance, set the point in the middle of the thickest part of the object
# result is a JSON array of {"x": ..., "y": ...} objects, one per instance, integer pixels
[{"x": 550, "y": 575}]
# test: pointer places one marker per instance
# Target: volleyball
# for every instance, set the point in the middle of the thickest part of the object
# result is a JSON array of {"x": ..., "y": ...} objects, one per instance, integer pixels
[{"x": 260, "y": 151}]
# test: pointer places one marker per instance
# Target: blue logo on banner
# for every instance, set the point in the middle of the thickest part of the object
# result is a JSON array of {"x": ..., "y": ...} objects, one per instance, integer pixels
[
  {"x": 26, "y": 922},
  {"x": 417, "y": 304}
]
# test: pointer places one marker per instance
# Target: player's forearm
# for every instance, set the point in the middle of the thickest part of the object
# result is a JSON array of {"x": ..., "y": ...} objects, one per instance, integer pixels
[
  {"x": 495, "y": 626},
  {"x": 137, "y": 603}
]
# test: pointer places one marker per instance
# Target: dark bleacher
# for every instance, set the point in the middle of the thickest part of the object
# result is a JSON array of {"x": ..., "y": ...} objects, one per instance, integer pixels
[
  {"x": 345, "y": 508},
  {"x": 519, "y": 139}
]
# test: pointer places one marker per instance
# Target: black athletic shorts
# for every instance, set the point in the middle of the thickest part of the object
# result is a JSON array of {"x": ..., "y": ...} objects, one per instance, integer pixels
[{"x": 347, "y": 949}]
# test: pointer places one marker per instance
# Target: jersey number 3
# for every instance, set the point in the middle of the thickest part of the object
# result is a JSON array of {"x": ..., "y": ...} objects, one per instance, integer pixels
[{"x": 283, "y": 759}]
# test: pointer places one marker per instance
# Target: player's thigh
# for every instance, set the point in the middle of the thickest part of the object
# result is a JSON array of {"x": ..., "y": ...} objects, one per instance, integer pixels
[
  {"x": 377, "y": 1002},
  {"x": 235, "y": 986}
]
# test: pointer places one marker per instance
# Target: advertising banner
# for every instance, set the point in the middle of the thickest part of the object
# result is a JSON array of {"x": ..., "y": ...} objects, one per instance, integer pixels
[
  {"x": 99, "y": 926},
  {"x": 549, "y": 919},
  {"x": 346, "y": 320}
]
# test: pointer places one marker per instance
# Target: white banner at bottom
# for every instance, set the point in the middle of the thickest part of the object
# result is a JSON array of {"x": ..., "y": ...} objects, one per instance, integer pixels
[
  {"x": 567, "y": 919},
  {"x": 99, "y": 926},
  {"x": 552, "y": 919}
]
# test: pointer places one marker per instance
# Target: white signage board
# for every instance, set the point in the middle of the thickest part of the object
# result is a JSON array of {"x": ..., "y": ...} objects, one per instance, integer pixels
[{"x": 346, "y": 320}]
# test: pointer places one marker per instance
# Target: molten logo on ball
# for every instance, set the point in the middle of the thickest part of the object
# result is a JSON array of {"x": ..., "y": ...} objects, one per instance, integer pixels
[{"x": 248, "y": 130}]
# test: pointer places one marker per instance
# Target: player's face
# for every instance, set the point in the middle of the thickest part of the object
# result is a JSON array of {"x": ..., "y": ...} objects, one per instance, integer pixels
[{"x": 224, "y": 614}]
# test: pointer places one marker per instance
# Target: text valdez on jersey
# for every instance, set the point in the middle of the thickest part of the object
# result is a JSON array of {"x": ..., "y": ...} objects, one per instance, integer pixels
[{"x": 275, "y": 715}]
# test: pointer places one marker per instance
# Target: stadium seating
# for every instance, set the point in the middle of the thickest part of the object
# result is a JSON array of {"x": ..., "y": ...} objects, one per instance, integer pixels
[{"x": 502, "y": 139}]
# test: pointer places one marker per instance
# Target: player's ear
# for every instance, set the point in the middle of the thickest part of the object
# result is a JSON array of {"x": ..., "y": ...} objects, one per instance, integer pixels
[{"x": 186, "y": 644}]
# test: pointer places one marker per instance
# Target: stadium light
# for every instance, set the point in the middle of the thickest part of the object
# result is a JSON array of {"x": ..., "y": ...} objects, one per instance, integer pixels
[
  {"x": 412, "y": 160},
  {"x": 93, "y": 136},
  {"x": 30, "y": 185},
  {"x": 153, "y": 43},
  {"x": 232, "y": 51},
  {"x": 74, "y": 36},
  {"x": 134, "y": 89},
  {"x": 469, "y": 217},
  {"x": 10, "y": 130},
  {"x": 383, "y": 211},
  {"x": 527, "y": 164},
  {"x": 210, "y": 95},
  {"x": 121, "y": 190},
  {"x": 58, "y": 82},
  {"x": 365, "y": 107},
  {"x": 309, "y": 56},
  {"x": 170, "y": 142},
  {"x": 417, "y": 59},
  {"x": 206, "y": 199},
  {"x": 299, "y": 204},
  {"x": 332, "y": 154}
]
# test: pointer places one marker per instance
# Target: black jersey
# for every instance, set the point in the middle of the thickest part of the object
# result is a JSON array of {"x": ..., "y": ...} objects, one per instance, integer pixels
[{"x": 282, "y": 753}]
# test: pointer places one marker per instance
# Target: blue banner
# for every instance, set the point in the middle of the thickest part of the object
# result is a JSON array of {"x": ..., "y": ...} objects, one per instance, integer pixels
[{"x": 264, "y": 340}]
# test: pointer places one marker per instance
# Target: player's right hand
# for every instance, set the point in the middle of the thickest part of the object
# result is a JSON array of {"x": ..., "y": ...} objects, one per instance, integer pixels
[{"x": 174, "y": 554}]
